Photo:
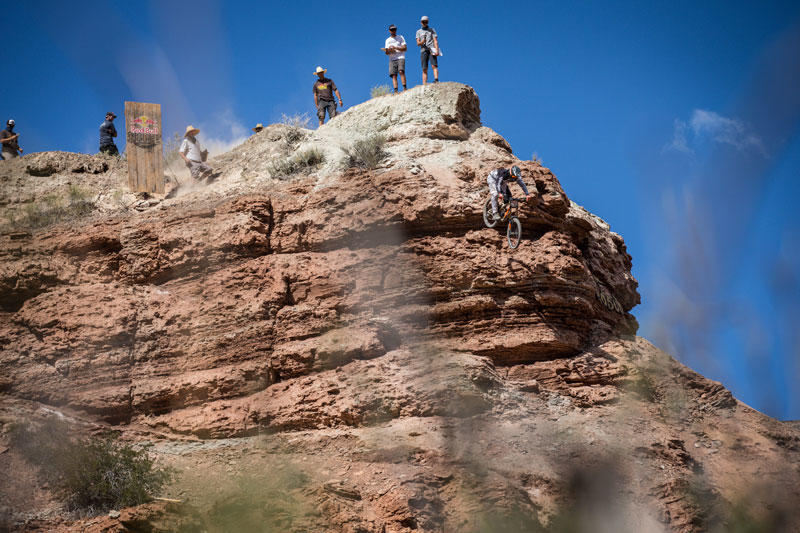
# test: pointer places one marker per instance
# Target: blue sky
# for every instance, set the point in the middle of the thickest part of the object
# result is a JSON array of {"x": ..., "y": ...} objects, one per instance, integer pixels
[{"x": 676, "y": 122}]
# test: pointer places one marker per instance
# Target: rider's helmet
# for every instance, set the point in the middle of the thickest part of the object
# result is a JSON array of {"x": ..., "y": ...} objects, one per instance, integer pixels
[{"x": 515, "y": 171}]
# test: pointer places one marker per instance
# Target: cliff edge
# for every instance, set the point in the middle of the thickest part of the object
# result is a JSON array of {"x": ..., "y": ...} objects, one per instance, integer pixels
[{"x": 361, "y": 334}]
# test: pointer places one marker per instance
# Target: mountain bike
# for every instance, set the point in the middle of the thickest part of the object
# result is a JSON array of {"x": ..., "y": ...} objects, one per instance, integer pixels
[{"x": 509, "y": 210}]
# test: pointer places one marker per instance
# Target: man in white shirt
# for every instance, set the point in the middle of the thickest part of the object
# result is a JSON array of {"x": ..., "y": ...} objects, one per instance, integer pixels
[
  {"x": 396, "y": 50},
  {"x": 194, "y": 155}
]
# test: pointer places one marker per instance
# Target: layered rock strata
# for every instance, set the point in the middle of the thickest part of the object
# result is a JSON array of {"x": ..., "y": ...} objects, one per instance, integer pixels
[{"x": 368, "y": 306}]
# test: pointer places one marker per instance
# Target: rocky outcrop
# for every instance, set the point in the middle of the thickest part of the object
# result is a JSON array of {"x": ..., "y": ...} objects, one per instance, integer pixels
[
  {"x": 361, "y": 306},
  {"x": 209, "y": 301}
]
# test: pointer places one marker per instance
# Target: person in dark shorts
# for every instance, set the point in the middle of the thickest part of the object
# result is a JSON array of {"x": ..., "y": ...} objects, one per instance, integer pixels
[
  {"x": 10, "y": 141},
  {"x": 428, "y": 42},
  {"x": 194, "y": 156},
  {"x": 498, "y": 181},
  {"x": 324, "y": 89},
  {"x": 107, "y": 134},
  {"x": 396, "y": 50}
]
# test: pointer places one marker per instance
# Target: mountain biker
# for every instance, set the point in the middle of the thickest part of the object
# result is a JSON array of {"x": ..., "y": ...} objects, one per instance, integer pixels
[{"x": 498, "y": 182}]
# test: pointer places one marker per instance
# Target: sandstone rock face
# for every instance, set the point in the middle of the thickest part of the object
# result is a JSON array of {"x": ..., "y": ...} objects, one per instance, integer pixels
[{"x": 348, "y": 312}]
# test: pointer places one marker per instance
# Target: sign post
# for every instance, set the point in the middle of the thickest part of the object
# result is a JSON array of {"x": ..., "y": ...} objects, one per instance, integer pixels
[{"x": 144, "y": 151}]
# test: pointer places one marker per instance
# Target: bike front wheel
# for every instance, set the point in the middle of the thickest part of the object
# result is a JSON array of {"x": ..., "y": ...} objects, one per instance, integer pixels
[
  {"x": 514, "y": 232},
  {"x": 487, "y": 214}
]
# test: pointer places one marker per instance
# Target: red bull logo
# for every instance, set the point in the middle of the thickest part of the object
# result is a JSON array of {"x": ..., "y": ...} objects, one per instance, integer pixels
[{"x": 144, "y": 124}]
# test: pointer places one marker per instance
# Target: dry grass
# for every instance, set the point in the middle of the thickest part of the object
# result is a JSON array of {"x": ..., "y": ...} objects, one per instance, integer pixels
[
  {"x": 298, "y": 120},
  {"x": 283, "y": 167},
  {"x": 380, "y": 90},
  {"x": 52, "y": 209},
  {"x": 366, "y": 153},
  {"x": 297, "y": 123}
]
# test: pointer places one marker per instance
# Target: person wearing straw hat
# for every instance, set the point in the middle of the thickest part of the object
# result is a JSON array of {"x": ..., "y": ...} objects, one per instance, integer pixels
[
  {"x": 107, "y": 134},
  {"x": 258, "y": 128},
  {"x": 194, "y": 155},
  {"x": 324, "y": 88}
]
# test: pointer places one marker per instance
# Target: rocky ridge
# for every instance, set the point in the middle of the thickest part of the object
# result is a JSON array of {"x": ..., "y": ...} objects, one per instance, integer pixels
[{"x": 365, "y": 328}]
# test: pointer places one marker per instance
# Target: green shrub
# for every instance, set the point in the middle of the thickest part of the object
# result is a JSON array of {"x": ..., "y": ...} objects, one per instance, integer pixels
[
  {"x": 379, "y": 90},
  {"x": 91, "y": 474},
  {"x": 366, "y": 153},
  {"x": 286, "y": 166}
]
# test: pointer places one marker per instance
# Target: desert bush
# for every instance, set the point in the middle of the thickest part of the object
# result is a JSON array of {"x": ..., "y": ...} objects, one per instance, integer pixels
[
  {"x": 310, "y": 157},
  {"x": 288, "y": 165},
  {"x": 297, "y": 124},
  {"x": 366, "y": 153},
  {"x": 379, "y": 90},
  {"x": 90, "y": 474}
]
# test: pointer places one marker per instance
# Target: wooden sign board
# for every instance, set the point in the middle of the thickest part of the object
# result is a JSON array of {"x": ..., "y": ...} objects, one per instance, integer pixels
[{"x": 144, "y": 152}]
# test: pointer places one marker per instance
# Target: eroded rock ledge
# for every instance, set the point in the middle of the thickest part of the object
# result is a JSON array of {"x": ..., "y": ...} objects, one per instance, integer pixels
[
  {"x": 150, "y": 315},
  {"x": 367, "y": 319}
]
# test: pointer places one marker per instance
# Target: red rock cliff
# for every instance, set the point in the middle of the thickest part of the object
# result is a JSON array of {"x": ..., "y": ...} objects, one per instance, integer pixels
[{"x": 348, "y": 300}]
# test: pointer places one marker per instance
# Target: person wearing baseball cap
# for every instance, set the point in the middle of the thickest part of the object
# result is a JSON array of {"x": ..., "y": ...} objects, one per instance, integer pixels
[
  {"x": 324, "y": 88},
  {"x": 395, "y": 48},
  {"x": 107, "y": 134},
  {"x": 428, "y": 42},
  {"x": 10, "y": 141}
]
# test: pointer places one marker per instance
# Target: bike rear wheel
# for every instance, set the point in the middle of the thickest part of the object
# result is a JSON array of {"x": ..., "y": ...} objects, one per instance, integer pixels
[
  {"x": 487, "y": 214},
  {"x": 514, "y": 232}
]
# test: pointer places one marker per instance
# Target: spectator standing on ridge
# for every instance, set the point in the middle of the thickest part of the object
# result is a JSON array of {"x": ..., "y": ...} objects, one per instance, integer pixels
[
  {"x": 396, "y": 50},
  {"x": 194, "y": 155},
  {"x": 258, "y": 128},
  {"x": 428, "y": 42},
  {"x": 107, "y": 134},
  {"x": 323, "y": 95},
  {"x": 10, "y": 141}
]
